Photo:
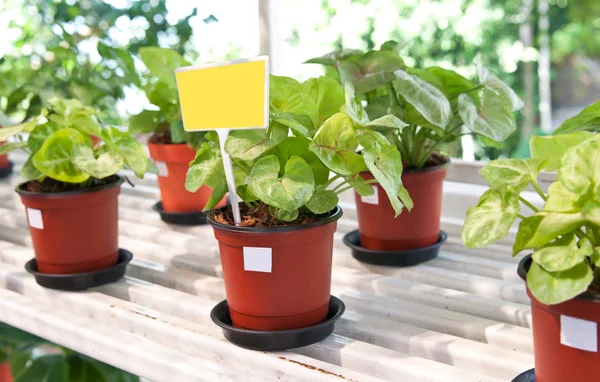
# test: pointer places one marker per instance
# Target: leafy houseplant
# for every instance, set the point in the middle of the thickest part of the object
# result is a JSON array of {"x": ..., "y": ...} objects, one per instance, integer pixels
[
  {"x": 563, "y": 272},
  {"x": 71, "y": 187},
  {"x": 34, "y": 359},
  {"x": 170, "y": 146},
  {"x": 289, "y": 202},
  {"x": 432, "y": 107}
]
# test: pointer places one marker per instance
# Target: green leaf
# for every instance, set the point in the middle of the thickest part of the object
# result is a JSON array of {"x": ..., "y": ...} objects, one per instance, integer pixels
[
  {"x": 108, "y": 162},
  {"x": 178, "y": 133},
  {"x": 595, "y": 257},
  {"x": 322, "y": 201},
  {"x": 580, "y": 170},
  {"x": 527, "y": 228},
  {"x": 556, "y": 287},
  {"x": 244, "y": 192},
  {"x": 428, "y": 100},
  {"x": 29, "y": 172},
  {"x": 493, "y": 119},
  {"x": 389, "y": 120},
  {"x": 588, "y": 119},
  {"x": 123, "y": 59},
  {"x": 495, "y": 84},
  {"x": 561, "y": 200},
  {"x": 250, "y": 144},
  {"x": 72, "y": 113},
  {"x": 19, "y": 358},
  {"x": 129, "y": 148},
  {"x": 354, "y": 106},
  {"x": 334, "y": 57},
  {"x": 288, "y": 95},
  {"x": 162, "y": 63},
  {"x": 218, "y": 193},
  {"x": 283, "y": 215},
  {"x": 490, "y": 220},
  {"x": 46, "y": 368},
  {"x": 385, "y": 164},
  {"x": 145, "y": 122},
  {"x": 289, "y": 192},
  {"x": 513, "y": 172},
  {"x": 335, "y": 144},
  {"x": 360, "y": 185},
  {"x": 371, "y": 70},
  {"x": 449, "y": 82},
  {"x": 300, "y": 124},
  {"x": 206, "y": 168},
  {"x": 562, "y": 254},
  {"x": 591, "y": 211},
  {"x": 327, "y": 94},
  {"x": 299, "y": 146},
  {"x": 39, "y": 134},
  {"x": 392, "y": 46},
  {"x": 9, "y": 131},
  {"x": 8, "y": 147},
  {"x": 553, "y": 148},
  {"x": 55, "y": 157},
  {"x": 553, "y": 225}
]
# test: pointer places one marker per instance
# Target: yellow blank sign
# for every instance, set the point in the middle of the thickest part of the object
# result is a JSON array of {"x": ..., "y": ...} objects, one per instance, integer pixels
[{"x": 231, "y": 95}]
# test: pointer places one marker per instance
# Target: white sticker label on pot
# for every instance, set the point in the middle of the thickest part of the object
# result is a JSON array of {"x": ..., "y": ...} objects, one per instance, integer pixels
[
  {"x": 258, "y": 259},
  {"x": 162, "y": 168},
  {"x": 35, "y": 218},
  {"x": 371, "y": 199},
  {"x": 578, "y": 333}
]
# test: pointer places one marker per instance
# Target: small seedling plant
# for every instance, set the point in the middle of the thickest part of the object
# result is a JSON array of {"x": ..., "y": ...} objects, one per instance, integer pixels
[
  {"x": 34, "y": 359},
  {"x": 164, "y": 122},
  {"x": 436, "y": 106},
  {"x": 60, "y": 147},
  {"x": 283, "y": 172},
  {"x": 564, "y": 235}
]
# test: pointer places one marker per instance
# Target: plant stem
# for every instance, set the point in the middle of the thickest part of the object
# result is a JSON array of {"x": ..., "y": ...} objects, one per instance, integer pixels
[
  {"x": 343, "y": 189},
  {"x": 435, "y": 145},
  {"x": 468, "y": 91},
  {"x": 521, "y": 217},
  {"x": 336, "y": 177},
  {"x": 340, "y": 186},
  {"x": 528, "y": 204},
  {"x": 539, "y": 190}
]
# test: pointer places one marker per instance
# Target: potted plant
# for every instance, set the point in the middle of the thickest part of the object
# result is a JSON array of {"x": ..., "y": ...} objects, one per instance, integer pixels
[
  {"x": 435, "y": 106},
  {"x": 170, "y": 146},
  {"x": 277, "y": 263},
  {"x": 31, "y": 358},
  {"x": 563, "y": 272},
  {"x": 5, "y": 164},
  {"x": 71, "y": 186}
]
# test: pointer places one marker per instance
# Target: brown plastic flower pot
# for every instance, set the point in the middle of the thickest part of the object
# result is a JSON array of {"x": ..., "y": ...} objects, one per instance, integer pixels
[
  {"x": 277, "y": 278},
  {"x": 75, "y": 231},
  {"x": 5, "y": 373},
  {"x": 419, "y": 228},
  {"x": 173, "y": 162},
  {"x": 565, "y": 336}
]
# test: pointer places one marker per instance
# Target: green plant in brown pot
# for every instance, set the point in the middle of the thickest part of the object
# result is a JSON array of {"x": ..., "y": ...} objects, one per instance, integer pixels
[{"x": 430, "y": 107}]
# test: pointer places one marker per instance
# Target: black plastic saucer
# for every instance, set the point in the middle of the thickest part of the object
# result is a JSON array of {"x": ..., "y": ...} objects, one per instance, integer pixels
[
  {"x": 392, "y": 258},
  {"x": 181, "y": 218},
  {"x": 280, "y": 339},
  {"x": 6, "y": 171},
  {"x": 527, "y": 376},
  {"x": 79, "y": 281}
]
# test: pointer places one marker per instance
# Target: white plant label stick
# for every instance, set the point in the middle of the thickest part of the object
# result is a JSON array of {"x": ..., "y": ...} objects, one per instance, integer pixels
[{"x": 233, "y": 196}]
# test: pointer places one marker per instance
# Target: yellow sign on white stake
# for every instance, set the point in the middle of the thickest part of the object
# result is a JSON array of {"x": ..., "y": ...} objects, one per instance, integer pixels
[{"x": 225, "y": 95}]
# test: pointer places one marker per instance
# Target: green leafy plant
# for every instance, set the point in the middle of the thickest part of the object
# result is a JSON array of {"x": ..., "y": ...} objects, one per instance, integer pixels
[
  {"x": 433, "y": 104},
  {"x": 161, "y": 89},
  {"x": 564, "y": 234},
  {"x": 60, "y": 146},
  {"x": 32, "y": 358},
  {"x": 290, "y": 173}
]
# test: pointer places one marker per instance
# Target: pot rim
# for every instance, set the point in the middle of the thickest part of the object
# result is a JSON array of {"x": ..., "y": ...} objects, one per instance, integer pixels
[
  {"x": 413, "y": 170},
  {"x": 337, "y": 213},
  {"x": 523, "y": 268},
  {"x": 168, "y": 144},
  {"x": 116, "y": 183}
]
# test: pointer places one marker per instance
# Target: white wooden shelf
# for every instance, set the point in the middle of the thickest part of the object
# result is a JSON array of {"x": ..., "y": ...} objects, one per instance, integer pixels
[{"x": 462, "y": 317}]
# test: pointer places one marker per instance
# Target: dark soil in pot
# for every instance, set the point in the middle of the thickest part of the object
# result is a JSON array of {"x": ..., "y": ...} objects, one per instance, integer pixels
[
  {"x": 73, "y": 230},
  {"x": 419, "y": 228},
  {"x": 173, "y": 162},
  {"x": 565, "y": 336},
  {"x": 277, "y": 278}
]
